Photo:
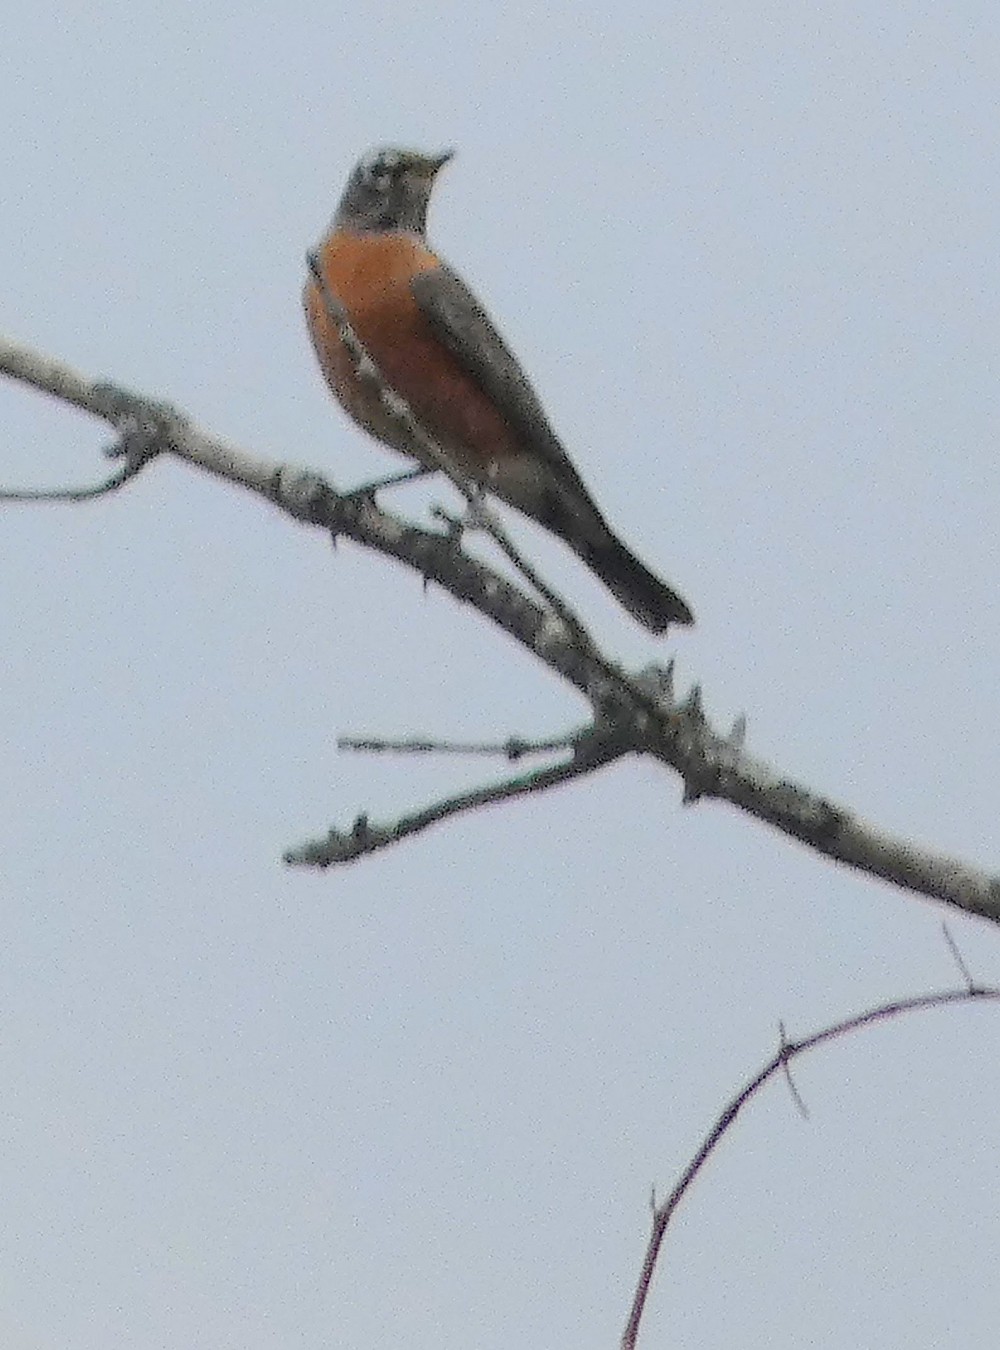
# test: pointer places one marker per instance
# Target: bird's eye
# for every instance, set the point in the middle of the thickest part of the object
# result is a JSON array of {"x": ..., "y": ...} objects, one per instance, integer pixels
[{"x": 381, "y": 170}]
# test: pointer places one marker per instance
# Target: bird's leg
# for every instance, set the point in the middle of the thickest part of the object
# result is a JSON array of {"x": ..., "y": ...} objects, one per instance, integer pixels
[
  {"x": 370, "y": 489},
  {"x": 472, "y": 518},
  {"x": 477, "y": 509}
]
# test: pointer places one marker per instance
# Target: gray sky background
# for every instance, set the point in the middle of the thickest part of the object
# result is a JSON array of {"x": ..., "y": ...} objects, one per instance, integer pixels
[{"x": 750, "y": 258}]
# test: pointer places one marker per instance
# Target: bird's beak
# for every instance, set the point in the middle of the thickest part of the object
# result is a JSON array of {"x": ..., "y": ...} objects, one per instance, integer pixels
[{"x": 434, "y": 163}]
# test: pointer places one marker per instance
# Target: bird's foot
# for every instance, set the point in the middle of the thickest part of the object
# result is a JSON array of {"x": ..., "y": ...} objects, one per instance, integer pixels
[{"x": 145, "y": 427}]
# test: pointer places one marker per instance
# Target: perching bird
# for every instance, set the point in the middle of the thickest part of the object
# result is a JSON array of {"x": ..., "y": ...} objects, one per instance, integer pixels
[{"x": 436, "y": 347}]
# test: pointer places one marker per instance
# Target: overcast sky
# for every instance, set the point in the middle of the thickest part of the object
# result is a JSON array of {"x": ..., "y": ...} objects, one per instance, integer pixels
[{"x": 749, "y": 256}]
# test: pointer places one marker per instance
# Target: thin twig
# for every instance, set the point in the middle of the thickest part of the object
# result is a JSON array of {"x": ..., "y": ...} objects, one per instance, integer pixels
[
  {"x": 959, "y": 959},
  {"x": 796, "y": 1096},
  {"x": 514, "y": 748},
  {"x": 364, "y": 837},
  {"x": 78, "y": 494},
  {"x": 788, "y": 1050}
]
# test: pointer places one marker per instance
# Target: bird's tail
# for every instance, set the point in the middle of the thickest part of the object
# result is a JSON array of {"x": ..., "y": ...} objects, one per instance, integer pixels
[{"x": 647, "y": 598}]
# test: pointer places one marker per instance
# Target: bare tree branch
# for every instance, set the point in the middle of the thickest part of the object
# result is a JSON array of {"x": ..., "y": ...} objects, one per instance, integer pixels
[
  {"x": 364, "y": 837},
  {"x": 788, "y": 1050},
  {"x": 642, "y": 709}
]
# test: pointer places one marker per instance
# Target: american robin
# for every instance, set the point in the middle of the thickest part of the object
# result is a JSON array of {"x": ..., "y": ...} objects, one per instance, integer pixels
[{"x": 436, "y": 347}]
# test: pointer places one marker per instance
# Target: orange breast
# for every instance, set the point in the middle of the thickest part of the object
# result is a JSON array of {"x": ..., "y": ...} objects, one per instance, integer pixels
[{"x": 370, "y": 275}]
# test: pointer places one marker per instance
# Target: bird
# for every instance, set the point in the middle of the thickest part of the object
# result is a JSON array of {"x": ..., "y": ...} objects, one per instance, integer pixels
[{"x": 434, "y": 345}]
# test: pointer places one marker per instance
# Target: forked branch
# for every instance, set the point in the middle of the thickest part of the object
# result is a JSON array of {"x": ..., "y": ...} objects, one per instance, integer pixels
[{"x": 631, "y": 712}]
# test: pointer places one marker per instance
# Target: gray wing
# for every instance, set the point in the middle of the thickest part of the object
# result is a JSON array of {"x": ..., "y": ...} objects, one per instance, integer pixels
[
  {"x": 566, "y": 507},
  {"x": 463, "y": 326}
]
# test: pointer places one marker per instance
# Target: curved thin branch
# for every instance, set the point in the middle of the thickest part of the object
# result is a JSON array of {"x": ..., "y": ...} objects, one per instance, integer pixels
[
  {"x": 778, "y": 1063},
  {"x": 642, "y": 708},
  {"x": 78, "y": 494}
]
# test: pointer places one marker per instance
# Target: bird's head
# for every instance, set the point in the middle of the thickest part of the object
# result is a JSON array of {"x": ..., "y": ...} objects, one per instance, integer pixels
[{"x": 389, "y": 189}]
